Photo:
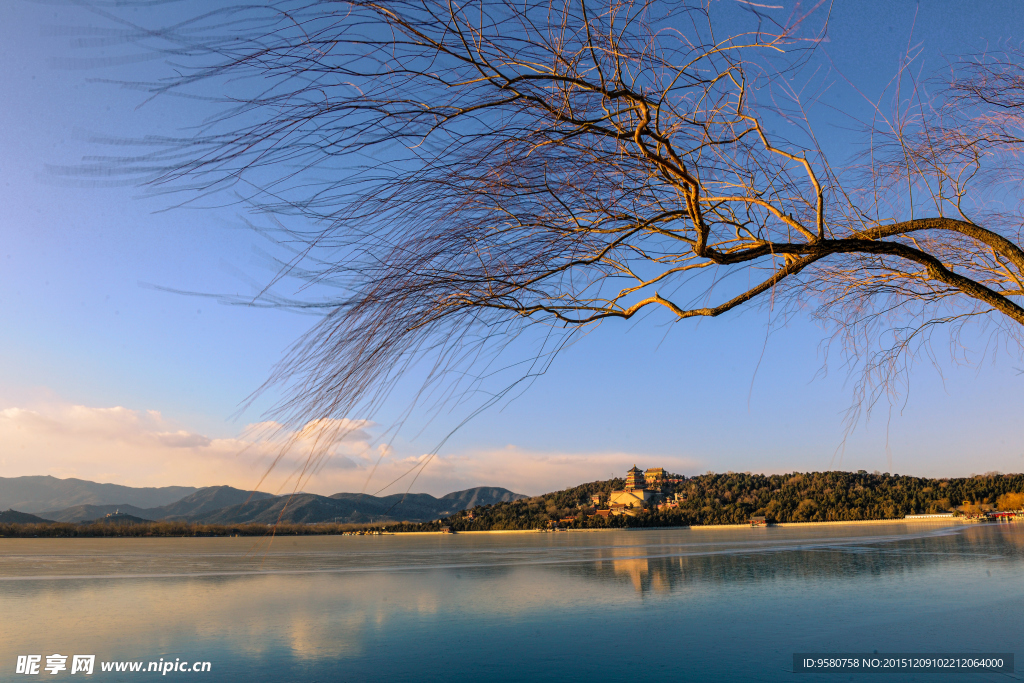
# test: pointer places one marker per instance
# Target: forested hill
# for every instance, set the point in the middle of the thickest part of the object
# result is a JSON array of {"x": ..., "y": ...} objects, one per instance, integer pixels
[{"x": 733, "y": 498}]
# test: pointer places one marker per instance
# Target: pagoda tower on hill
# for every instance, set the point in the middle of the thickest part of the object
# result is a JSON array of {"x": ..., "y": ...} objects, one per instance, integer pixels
[{"x": 635, "y": 480}]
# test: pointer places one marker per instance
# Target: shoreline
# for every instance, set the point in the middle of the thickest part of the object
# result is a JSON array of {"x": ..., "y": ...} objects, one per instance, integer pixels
[
  {"x": 709, "y": 527},
  {"x": 701, "y": 527},
  {"x": 942, "y": 521}
]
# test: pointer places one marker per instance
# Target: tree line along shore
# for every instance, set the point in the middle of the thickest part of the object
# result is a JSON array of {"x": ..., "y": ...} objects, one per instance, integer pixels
[
  {"x": 736, "y": 497},
  {"x": 704, "y": 500},
  {"x": 104, "y": 529}
]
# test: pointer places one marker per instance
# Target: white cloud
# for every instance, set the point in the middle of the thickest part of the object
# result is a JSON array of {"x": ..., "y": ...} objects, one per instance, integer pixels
[
  {"x": 143, "y": 448},
  {"x": 183, "y": 439}
]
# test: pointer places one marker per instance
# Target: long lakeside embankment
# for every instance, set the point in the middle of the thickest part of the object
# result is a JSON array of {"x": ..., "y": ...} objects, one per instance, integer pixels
[
  {"x": 173, "y": 530},
  {"x": 184, "y": 530}
]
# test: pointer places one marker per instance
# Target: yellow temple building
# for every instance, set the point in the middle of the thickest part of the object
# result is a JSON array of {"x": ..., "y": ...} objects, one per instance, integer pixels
[
  {"x": 655, "y": 476},
  {"x": 633, "y": 495}
]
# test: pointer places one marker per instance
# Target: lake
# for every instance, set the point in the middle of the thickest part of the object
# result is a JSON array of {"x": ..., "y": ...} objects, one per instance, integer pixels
[{"x": 727, "y": 604}]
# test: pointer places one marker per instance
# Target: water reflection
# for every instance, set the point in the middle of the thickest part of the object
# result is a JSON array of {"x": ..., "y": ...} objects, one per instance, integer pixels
[
  {"x": 311, "y": 601},
  {"x": 665, "y": 568}
]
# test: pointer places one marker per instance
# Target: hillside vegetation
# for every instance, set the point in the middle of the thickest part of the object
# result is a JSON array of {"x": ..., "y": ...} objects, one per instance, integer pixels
[
  {"x": 734, "y": 497},
  {"x": 15, "y": 517},
  {"x": 708, "y": 499}
]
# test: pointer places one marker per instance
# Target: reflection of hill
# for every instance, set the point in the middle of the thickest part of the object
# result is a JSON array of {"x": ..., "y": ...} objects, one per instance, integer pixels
[
  {"x": 640, "y": 574},
  {"x": 658, "y": 569},
  {"x": 509, "y": 607}
]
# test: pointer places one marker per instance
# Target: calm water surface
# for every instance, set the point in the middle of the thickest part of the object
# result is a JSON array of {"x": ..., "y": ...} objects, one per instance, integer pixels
[{"x": 679, "y": 605}]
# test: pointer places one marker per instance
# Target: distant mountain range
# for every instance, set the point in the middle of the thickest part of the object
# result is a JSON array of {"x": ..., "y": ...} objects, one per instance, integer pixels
[
  {"x": 205, "y": 500},
  {"x": 355, "y": 508},
  {"x": 227, "y": 505},
  {"x": 35, "y": 494}
]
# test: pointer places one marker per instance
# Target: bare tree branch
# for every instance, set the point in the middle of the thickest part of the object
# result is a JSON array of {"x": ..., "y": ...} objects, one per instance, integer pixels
[{"x": 458, "y": 172}]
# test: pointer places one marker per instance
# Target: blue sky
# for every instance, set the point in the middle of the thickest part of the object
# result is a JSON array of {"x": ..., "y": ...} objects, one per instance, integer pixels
[{"x": 102, "y": 376}]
